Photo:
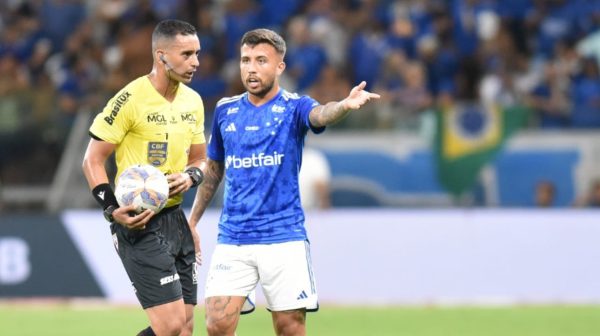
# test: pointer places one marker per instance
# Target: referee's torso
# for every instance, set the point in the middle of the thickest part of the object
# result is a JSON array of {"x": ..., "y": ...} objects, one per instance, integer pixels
[{"x": 148, "y": 129}]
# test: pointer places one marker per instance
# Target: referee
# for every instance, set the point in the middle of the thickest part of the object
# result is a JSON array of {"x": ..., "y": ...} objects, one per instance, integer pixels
[{"x": 156, "y": 119}]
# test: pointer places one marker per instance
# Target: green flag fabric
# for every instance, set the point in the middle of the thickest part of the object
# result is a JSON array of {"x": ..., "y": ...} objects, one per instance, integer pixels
[{"x": 468, "y": 137}]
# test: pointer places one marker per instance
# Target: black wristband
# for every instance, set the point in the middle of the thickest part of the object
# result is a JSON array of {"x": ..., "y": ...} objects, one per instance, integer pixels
[
  {"x": 104, "y": 195},
  {"x": 196, "y": 174}
]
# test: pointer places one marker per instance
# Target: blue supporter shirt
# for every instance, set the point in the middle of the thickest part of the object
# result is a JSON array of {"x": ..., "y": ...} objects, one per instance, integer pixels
[{"x": 262, "y": 151}]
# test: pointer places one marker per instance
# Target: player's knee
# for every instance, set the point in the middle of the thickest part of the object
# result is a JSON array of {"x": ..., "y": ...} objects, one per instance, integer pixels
[
  {"x": 290, "y": 328},
  {"x": 216, "y": 327},
  {"x": 188, "y": 328},
  {"x": 290, "y": 323},
  {"x": 173, "y": 327}
]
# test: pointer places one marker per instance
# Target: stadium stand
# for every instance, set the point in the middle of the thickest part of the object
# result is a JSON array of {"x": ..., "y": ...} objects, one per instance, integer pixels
[{"x": 59, "y": 60}]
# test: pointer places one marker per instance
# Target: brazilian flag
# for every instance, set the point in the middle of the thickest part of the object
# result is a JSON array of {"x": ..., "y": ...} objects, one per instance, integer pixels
[{"x": 470, "y": 135}]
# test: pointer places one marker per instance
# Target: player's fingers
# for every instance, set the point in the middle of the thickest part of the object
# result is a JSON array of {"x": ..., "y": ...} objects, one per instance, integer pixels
[{"x": 140, "y": 221}]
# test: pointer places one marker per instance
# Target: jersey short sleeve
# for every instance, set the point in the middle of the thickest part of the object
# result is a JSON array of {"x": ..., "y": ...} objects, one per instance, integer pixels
[{"x": 107, "y": 126}]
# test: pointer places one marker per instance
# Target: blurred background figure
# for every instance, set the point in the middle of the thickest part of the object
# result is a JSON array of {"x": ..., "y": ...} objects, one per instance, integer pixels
[
  {"x": 314, "y": 180},
  {"x": 591, "y": 198},
  {"x": 545, "y": 194}
]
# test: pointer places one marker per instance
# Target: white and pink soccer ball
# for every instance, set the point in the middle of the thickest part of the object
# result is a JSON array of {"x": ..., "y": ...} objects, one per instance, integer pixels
[{"x": 144, "y": 186}]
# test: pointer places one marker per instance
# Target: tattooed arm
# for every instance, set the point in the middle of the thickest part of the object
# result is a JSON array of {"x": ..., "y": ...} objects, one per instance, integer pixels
[
  {"x": 212, "y": 178},
  {"x": 213, "y": 174},
  {"x": 333, "y": 112}
]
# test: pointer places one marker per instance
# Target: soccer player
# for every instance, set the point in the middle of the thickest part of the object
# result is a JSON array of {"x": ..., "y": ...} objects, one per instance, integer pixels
[
  {"x": 156, "y": 119},
  {"x": 256, "y": 143}
]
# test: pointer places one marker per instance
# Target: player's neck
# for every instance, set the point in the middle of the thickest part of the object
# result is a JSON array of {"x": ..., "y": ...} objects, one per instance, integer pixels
[{"x": 257, "y": 100}]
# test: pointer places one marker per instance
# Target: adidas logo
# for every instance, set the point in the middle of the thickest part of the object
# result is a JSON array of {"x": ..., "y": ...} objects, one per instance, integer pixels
[
  {"x": 302, "y": 296},
  {"x": 230, "y": 128}
]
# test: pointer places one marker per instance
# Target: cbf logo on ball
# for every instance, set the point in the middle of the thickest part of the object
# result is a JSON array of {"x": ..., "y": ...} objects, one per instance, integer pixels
[{"x": 259, "y": 160}]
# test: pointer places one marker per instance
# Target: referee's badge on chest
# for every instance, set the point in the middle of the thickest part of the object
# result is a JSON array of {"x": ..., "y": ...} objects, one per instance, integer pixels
[{"x": 157, "y": 153}]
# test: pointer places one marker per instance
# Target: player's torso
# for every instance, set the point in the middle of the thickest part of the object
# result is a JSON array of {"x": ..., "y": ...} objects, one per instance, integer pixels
[{"x": 259, "y": 138}]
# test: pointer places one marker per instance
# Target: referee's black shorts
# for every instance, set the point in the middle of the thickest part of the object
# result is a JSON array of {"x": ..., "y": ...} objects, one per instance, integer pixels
[{"x": 160, "y": 259}]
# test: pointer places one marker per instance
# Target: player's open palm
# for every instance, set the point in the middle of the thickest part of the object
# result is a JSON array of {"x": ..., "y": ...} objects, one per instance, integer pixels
[{"x": 359, "y": 96}]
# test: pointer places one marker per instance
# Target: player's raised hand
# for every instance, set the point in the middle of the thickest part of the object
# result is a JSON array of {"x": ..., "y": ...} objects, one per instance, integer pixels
[{"x": 358, "y": 97}]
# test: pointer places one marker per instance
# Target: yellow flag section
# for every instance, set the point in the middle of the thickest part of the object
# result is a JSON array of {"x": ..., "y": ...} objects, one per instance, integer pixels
[
  {"x": 471, "y": 130},
  {"x": 469, "y": 136}
]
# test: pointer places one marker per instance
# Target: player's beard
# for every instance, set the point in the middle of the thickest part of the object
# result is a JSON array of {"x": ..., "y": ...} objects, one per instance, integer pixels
[{"x": 262, "y": 90}]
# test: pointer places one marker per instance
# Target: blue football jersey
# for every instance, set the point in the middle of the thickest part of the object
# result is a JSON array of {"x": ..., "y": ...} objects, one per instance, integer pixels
[{"x": 261, "y": 148}]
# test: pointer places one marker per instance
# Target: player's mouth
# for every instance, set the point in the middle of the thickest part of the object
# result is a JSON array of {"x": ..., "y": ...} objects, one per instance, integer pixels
[{"x": 253, "y": 83}]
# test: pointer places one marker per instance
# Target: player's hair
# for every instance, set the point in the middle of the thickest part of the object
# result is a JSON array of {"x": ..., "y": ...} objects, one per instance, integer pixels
[
  {"x": 262, "y": 35},
  {"x": 168, "y": 29}
]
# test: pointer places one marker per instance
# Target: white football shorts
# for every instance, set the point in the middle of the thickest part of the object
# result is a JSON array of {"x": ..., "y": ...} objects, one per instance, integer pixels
[{"x": 284, "y": 271}]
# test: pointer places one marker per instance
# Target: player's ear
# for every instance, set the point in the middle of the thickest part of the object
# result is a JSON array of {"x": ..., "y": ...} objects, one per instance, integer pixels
[{"x": 280, "y": 68}]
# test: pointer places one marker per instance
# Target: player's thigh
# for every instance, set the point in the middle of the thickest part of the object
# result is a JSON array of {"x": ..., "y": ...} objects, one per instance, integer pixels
[
  {"x": 232, "y": 271},
  {"x": 286, "y": 276},
  {"x": 149, "y": 265}
]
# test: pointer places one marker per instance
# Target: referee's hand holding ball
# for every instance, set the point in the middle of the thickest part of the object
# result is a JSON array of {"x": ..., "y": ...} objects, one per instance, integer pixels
[{"x": 127, "y": 217}]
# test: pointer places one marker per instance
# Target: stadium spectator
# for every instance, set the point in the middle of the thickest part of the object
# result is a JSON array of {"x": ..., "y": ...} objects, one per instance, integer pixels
[
  {"x": 305, "y": 58},
  {"x": 550, "y": 99},
  {"x": 585, "y": 94},
  {"x": 591, "y": 198},
  {"x": 314, "y": 180},
  {"x": 262, "y": 217},
  {"x": 545, "y": 194}
]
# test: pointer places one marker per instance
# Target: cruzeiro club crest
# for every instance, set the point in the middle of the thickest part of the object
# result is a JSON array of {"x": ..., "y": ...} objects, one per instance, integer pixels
[{"x": 157, "y": 153}]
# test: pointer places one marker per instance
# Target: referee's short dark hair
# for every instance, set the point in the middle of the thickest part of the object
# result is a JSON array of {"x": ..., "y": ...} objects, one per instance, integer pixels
[
  {"x": 172, "y": 28},
  {"x": 263, "y": 35}
]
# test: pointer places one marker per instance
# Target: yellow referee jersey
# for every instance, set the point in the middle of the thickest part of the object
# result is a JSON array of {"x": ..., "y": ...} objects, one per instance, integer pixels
[{"x": 148, "y": 129}]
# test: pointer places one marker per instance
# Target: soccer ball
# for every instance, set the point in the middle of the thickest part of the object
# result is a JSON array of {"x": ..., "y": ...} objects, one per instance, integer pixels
[{"x": 144, "y": 186}]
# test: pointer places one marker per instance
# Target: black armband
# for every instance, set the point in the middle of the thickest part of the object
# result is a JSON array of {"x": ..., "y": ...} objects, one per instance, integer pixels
[
  {"x": 104, "y": 195},
  {"x": 196, "y": 175}
]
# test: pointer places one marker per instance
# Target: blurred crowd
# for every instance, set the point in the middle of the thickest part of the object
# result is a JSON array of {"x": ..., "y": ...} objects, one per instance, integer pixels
[{"x": 59, "y": 58}]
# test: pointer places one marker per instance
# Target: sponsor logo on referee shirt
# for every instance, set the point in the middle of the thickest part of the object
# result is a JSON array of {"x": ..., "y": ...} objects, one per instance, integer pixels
[
  {"x": 188, "y": 117},
  {"x": 156, "y": 118},
  {"x": 117, "y": 104},
  {"x": 254, "y": 161}
]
